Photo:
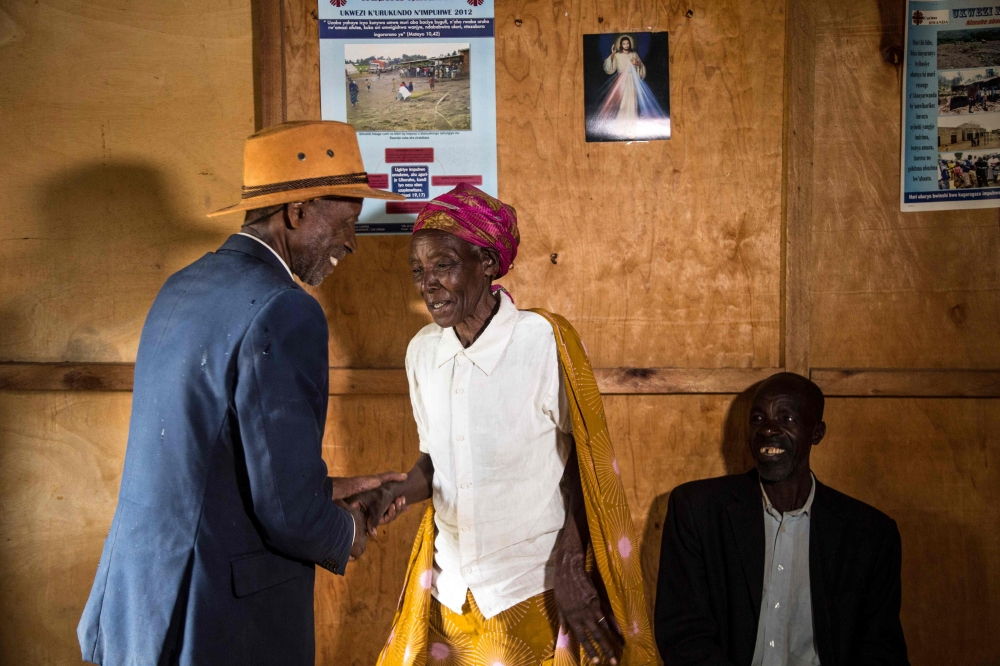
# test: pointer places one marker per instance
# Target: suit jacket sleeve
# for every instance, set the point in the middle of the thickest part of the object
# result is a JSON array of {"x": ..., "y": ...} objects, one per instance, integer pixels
[
  {"x": 686, "y": 631},
  {"x": 882, "y": 641},
  {"x": 281, "y": 400}
]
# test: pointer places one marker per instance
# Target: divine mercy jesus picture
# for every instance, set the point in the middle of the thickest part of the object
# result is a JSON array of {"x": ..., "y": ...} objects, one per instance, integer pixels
[{"x": 626, "y": 83}]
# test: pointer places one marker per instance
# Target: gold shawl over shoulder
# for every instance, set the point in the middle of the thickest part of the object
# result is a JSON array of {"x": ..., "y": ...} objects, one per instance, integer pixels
[{"x": 613, "y": 544}]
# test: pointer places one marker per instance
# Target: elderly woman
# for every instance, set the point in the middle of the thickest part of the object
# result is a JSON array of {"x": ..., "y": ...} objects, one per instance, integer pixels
[{"x": 522, "y": 559}]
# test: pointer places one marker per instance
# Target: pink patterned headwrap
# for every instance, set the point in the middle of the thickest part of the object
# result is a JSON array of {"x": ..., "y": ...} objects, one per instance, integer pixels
[{"x": 475, "y": 217}]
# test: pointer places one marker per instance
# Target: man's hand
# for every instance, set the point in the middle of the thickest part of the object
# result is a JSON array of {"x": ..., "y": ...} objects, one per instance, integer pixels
[{"x": 360, "y": 535}]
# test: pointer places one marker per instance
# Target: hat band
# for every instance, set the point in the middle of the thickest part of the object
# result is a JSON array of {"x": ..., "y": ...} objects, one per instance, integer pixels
[{"x": 360, "y": 178}]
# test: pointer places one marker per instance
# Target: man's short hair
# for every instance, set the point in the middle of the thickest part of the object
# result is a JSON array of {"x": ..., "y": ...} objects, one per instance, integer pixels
[
  {"x": 256, "y": 215},
  {"x": 811, "y": 393}
]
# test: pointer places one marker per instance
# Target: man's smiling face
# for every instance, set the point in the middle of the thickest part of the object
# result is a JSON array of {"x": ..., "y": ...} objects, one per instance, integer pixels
[{"x": 785, "y": 423}]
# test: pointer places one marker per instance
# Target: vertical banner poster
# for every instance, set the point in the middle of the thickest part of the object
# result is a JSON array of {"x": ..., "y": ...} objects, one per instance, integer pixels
[
  {"x": 950, "y": 156},
  {"x": 417, "y": 79}
]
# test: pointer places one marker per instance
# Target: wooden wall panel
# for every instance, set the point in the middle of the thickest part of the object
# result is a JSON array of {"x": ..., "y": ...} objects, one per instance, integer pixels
[
  {"x": 61, "y": 458},
  {"x": 123, "y": 125},
  {"x": 889, "y": 290},
  {"x": 668, "y": 252},
  {"x": 932, "y": 465}
]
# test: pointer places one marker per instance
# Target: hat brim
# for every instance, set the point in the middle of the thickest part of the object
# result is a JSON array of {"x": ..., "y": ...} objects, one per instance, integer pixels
[{"x": 355, "y": 191}]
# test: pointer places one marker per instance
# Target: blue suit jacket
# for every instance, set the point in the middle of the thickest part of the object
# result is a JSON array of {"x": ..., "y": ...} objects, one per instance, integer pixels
[{"x": 225, "y": 504}]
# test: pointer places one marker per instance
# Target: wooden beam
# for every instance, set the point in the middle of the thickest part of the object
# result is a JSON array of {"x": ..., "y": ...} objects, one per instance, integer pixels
[
  {"x": 800, "y": 77},
  {"x": 66, "y": 376},
  {"x": 368, "y": 381},
  {"x": 268, "y": 63},
  {"x": 388, "y": 381},
  {"x": 633, "y": 381},
  {"x": 908, "y": 383},
  {"x": 835, "y": 382}
]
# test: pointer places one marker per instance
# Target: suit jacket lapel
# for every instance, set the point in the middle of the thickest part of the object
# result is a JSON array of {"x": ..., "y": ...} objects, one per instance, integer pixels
[
  {"x": 826, "y": 538},
  {"x": 746, "y": 517}
]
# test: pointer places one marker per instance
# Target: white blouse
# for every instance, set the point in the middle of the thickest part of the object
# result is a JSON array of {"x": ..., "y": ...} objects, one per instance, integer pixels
[{"x": 490, "y": 417}]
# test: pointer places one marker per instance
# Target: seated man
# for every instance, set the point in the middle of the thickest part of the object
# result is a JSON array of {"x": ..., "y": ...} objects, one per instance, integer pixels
[
  {"x": 528, "y": 524},
  {"x": 772, "y": 567}
]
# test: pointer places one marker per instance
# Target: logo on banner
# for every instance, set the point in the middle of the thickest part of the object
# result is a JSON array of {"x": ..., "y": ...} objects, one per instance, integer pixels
[
  {"x": 338, "y": 3},
  {"x": 936, "y": 17},
  {"x": 475, "y": 3}
]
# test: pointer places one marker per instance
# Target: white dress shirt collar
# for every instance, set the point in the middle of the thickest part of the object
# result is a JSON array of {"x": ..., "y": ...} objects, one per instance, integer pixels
[
  {"x": 272, "y": 252},
  {"x": 486, "y": 351},
  {"x": 804, "y": 509}
]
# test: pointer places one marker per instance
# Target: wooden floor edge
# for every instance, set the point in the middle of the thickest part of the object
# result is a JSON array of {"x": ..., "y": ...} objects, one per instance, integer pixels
[{"x": 835, "y": 382}]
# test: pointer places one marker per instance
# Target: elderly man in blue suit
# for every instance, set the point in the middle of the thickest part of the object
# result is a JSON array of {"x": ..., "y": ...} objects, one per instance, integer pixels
[{"x": 225, "y": 504}]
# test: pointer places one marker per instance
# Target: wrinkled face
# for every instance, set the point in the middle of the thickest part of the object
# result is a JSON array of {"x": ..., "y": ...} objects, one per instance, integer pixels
[
  {"x": 783, "y": 430},
  {"x": 322, "y": 236},
  {"x": 452, "y": 275},
  {"x": 626, "y": 45}
]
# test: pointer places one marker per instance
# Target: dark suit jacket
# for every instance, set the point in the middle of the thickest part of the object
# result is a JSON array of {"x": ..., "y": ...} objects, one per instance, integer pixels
[
  {"x": 712, "y": 577},
  {"x": 224, "y": 504}
]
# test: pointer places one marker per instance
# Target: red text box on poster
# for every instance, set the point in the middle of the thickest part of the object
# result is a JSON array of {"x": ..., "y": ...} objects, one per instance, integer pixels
[
  {"x": 404, "y": 207},
  {"x": 408, "y": 155},
  {"x": 451, "y": 181},
  {"x": 378, "y": 180}
]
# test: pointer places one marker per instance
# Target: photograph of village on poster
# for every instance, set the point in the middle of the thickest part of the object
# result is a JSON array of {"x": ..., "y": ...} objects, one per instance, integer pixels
[
  {"x": 626, "y": 86},
  {"x": 417, "y": 80},
  {"x": 950, "y": 155}
]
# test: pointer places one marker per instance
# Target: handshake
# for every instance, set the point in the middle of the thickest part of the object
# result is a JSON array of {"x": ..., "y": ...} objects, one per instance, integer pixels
[{"x": 372, "y": 501}]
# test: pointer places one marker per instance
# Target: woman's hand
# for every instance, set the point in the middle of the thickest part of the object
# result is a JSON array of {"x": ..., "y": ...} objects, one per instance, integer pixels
[
  {"x": 379, "y": 506},
  {"x": 577, "y": 599},
  {"x": 579, "y": 604}
]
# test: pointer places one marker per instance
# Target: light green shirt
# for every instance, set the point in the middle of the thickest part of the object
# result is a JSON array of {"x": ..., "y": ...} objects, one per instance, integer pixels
[{"x": 785, "y": 630}]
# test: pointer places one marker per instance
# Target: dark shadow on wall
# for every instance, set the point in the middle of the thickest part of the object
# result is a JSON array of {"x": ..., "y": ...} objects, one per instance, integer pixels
[
  {"x": 892, "y": 15},
  {"x": 102, "y": 227},
  {"x": 736, "y": 459}
]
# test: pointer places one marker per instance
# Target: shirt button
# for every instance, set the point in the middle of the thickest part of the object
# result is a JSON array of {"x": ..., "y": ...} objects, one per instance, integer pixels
[
  {"x": 460, "y": 391},
  {"x": 465, "y": 529},
  {"x": 781, "y": 568},
  {"x": 777, "y": 604},
  {"x": 772, "y": 643},
  {"x": 460, "y": 438},
  {"x": 466, "y": 486}
]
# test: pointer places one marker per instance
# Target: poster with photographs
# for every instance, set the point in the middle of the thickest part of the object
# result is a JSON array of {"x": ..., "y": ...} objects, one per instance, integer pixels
[
  {"x": 950, "y": 156},
  {"x": 626, "y": 86},
  {"x": 417, "y": 80}
]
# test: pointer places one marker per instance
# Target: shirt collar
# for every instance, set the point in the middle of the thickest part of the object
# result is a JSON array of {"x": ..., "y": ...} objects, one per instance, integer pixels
[
  {"x": 805, "y": 509},
  {"x": 272, "y": 252},
  {"x": 486, "y": 351}
]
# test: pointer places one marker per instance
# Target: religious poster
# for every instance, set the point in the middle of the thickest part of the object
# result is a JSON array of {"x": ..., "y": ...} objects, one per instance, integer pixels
[
  {"x": 417, "y": 81},
  {"x": 950, "y": 156},
  {"x": 626, "y": 86}
]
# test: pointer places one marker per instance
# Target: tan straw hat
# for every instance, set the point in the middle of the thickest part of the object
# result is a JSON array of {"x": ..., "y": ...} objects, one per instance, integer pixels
[{"x": 303, "y": 160}]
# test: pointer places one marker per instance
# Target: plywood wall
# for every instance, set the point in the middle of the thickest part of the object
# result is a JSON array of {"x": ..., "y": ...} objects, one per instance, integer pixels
[{"x": 124, "y": 123}]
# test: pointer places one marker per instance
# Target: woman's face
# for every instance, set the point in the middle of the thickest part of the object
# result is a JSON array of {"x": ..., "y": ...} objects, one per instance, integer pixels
[
  {"x": 626, "y": 45},
  {"x": 452, "y": 275}
]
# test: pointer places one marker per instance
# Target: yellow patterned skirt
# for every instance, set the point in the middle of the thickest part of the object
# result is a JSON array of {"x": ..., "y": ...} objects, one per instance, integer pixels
[{"x": 523, "y": 635}]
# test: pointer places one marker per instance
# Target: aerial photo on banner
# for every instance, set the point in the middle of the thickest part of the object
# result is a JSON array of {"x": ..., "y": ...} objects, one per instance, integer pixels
[
  {"x": 950, "y": 154},
  {"x": 418, "y": 82}
]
